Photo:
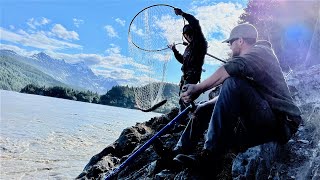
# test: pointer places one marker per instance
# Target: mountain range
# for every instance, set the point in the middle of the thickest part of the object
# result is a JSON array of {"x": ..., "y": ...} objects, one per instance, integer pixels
[{"x": 78, "y": 75}]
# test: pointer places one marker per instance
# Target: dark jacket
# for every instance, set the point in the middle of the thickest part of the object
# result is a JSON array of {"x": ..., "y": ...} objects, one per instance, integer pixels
[
  {"x": 262, "y": 68},
  {"x": 193, "y": 56}
]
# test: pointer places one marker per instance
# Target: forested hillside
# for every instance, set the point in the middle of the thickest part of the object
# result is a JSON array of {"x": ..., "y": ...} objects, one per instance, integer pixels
[
  {"x": 123, "y": 96},
  {"x": 62, "y": 92},
  {"x": 15, "y": 75}
]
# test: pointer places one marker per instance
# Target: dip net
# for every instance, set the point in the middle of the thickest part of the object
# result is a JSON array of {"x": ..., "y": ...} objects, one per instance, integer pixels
[{"x": 150, "y": 33}]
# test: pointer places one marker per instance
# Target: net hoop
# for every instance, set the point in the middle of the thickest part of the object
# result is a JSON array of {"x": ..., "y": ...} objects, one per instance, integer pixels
[
  {"x": 135, "y": 18},
  {"x": 146, "y": 44}
]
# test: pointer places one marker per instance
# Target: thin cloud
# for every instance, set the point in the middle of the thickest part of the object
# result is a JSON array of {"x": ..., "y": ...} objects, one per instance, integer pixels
[
  {"x": 218, "y": 49},
  {"x": 112, "y": 65},
  {"x": 200, "y": 3},
  {"x": 162, "y": 56},
  {"x": 18, "y": 50},
  {"x": 170, "y": 28},
  {"x": 33, "y": 23},
  {"x": 120, "y": 21},
  {"x": 136, "y": 30},
  {"x": 114, "y": 72},
  {"x": 22, "y": 32},
  {"x": 113, "y": 58},
  {"x": 113, "y": 50},
  {"x": 37, "y": 40},
  {"x": 110, "y": 31},
  {"x": 61, "y": 32},
  {"x": 221, "y": 17},
  {"x": 77, "y": 22},
  {"x": 124, "y": 76}
]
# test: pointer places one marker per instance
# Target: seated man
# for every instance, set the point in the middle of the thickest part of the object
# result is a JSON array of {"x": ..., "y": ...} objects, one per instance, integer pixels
[{"x": 254, "y": 99}]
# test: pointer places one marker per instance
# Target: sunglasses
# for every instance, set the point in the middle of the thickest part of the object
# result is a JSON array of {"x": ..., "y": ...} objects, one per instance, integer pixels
[{"x": 232, "y": 40}]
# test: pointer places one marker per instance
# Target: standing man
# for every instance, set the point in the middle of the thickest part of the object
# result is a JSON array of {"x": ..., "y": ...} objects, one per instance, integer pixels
[
  {"x": 254, "y": 105},
  {"x": 193, "y": 57}
]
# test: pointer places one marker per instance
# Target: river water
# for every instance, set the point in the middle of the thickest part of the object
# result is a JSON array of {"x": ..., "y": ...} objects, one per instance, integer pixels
[{"x": 50, "y": 138}]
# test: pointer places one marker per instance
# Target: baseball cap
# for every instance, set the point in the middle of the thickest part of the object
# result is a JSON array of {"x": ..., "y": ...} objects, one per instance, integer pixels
[{"x": 243, "y": 31}]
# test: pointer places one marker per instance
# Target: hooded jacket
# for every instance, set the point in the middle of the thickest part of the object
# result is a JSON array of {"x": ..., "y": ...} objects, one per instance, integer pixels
[{"x": 193, "y": 57}]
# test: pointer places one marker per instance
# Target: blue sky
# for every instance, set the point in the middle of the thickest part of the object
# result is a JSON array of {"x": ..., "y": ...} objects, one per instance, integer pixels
[{"x": 96, "y": 32}]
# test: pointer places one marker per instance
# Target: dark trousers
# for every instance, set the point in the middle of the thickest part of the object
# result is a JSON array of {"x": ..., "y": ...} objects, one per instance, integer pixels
[
  {"x": 240, "y": 117},
  {"x": 191, "y": 77}
]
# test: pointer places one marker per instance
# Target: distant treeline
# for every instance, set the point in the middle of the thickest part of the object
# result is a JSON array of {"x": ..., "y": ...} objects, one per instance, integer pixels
[{"x": 120, "y": 96}]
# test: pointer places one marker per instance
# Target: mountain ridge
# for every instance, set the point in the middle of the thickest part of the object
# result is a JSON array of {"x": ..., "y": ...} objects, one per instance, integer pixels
[
  {"x": 15, "y": 75},
  {"x": 77, "y": 75}
]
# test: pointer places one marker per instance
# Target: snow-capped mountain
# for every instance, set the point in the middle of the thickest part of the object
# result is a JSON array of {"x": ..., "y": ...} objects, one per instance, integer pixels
[{"x": 78, "y": 75}]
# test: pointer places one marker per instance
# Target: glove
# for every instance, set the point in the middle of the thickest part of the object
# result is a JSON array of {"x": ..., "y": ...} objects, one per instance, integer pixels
[
  {"x": 178, "y": 11},
  {"x": 172, "y": 46}
]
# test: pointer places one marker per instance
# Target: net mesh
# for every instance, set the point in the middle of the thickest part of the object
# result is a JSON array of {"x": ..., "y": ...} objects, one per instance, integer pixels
[
  {"x": 149, "y": 89},
  {"x": 150, "y": 33}
]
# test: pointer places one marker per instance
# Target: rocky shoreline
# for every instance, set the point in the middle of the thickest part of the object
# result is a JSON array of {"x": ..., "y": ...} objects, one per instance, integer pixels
[{"x": 298, "y": 159}]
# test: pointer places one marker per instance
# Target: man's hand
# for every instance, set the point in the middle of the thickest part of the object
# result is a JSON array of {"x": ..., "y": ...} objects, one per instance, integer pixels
[
  {"x": 172, "y": 46},
  {"x": 189, "y": 93},
  {"x": 178, "y": 11},
  {"x": 206, "y": 103},
  {"x": 200, "y": 105}
]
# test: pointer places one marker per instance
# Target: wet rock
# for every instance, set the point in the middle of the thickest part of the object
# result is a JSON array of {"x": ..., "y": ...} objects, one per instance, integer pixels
[
  {"x": 255, "y": 162},
  {"x": 298, "y": 159}
]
